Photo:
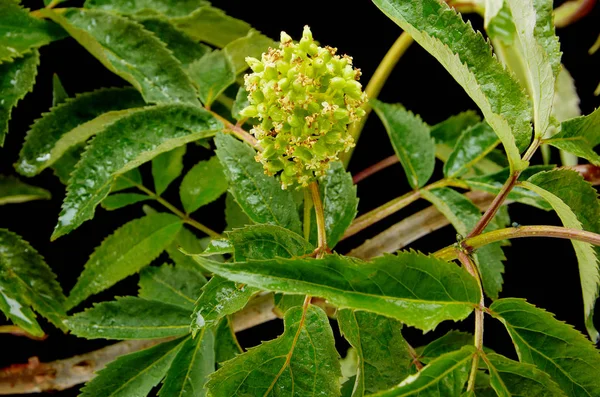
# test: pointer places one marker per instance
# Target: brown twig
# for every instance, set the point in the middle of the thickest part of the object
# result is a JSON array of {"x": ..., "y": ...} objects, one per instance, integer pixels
[{"x": 367, "y": 172}]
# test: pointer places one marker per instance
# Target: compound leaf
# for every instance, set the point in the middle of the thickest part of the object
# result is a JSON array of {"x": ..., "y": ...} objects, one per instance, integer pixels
[
  {"x": 124, "y": 145},
  {"x": 418, "y": 290},
  {"x": 128, "y": 50},
  {"x": 130, "y": 318},
  {"x": 131, "y": 247},
  {"x": 203, "y": 184},
  {"x": 166, "y": 167},
  {"x": 580, "y": 136},
  {"x": 474, "y": 144},
  {"x": 169, "y": 8},
  {"x": 27, "y": 281},
  {"x": 173, "y": 285},
  {"x": 120, "y": 200},
  {"x": 212, "y": 74},
  {"x": 551, "y": 345},
  {"x": 303, "y": 361}
]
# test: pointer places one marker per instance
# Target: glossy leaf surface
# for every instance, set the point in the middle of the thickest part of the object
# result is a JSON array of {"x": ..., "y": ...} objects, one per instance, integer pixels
[
  {"x": 202, "y": 184},
  {"x": 166, "y": 167},
  {"x": 173, "y": 285},
  {"x": 13, "y": 190}
]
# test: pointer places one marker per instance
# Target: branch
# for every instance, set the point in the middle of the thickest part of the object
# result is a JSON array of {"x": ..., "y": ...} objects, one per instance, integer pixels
[
  {"x": 367, "y": 172},
  {"x": 37, "y": 377}
]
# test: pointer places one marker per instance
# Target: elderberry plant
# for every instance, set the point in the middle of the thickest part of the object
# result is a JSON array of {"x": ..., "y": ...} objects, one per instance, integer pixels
[{"x": 276, "y": 122}]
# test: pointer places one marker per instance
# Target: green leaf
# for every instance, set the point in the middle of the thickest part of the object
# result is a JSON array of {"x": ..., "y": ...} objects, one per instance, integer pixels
[
  {"x": 130, "y": 318},
  {"x": 263, "y": 242},
  {"x": 384, "y": 357},
  {"x": 411, "y": 141},
  {"x": 576, "y": 203},
  {"x": 469, "y": 59},
  {"x": 235, "y": 217},
  {"x": 116, "y": 201},
  {"x": 284, "y": 302},
  {"x": 184, "y": 48},
  {"x": 452, "y": 341},
  {"x": 212, "y": 26},
  {"x": 539, "y": 52},
  {"x": 418, "y": 290},
  {"x": 125, "y": 48},
  {"x": 131, "y": 247},
  {"x": 72, "y": 123},
  {"x": 135, "y": 374},
  {"x": 173, "y": 285},
  {"x": 20, "y": 32},
  {"x": 447, "y": 132},
  {"x": 59, "y": 94},
  {"x": 444, "y": 376},
  {"x": 26, "y": 280},
  {"x": 551, "y": 345},
  {"x": 187, "y": 241},
  {"x": 64, "y": 166},
  {"x": 170, "y": 8},
  {"x": 473, "y": 145},
  {"x": 338, "y": 195},
  {"x": 579, "y": 136},
  {"x": 191, "y": 367},
  {"x": 16, "y": 80},
  {"x": 166, "y": 167},
  {"x": 260, "y": 196},
  {"x": 303, "y": 362},
  {"x": 127, "y": 180},
  {"x": 128, "y": 142},
  {"x": 203, "y": 184},
  {"x": 13, "y": 190},
  {"x": 254, "y": 44},
  {"x": 212, "y": 74},
  {"x": 464, "y": 215},
  {"x": 226, "y": 344},
  {"x": 512, "y": 378},
  {"x": 492, "y": 183},
  {"x": 220, "y": 297}
]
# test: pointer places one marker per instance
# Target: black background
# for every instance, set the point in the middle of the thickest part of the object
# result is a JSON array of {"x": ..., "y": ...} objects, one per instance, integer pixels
[{"x": 542, "y": 271}]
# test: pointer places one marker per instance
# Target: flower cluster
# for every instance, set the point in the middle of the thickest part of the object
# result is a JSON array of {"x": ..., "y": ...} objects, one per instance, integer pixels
[{"x": 305, "y": 96}]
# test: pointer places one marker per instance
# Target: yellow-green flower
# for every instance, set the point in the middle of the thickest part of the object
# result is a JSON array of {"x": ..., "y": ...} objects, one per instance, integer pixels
[{"x": 305, "y": 96}]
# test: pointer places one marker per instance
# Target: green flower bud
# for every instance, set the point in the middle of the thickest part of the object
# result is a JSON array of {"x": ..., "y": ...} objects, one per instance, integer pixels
[{"x": 305, "y": 97}]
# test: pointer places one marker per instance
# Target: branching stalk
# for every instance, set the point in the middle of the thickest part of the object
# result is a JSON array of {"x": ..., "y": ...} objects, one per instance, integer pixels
[
  {"x": 367, "y": 172},
  {"x": 237, "y": 131}
]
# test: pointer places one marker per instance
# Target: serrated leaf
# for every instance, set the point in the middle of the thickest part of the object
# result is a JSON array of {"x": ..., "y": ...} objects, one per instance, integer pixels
[
  {"x": 13, "y": 190},
  {"x": 27, "y": 281},
  {"x": 418, "y": 290},
  {"x": 260, "y": 242},
  {"x": 235, "y": 217},
  {"x": 551, "y": 345},
  {"x": 226, "y": 344},
  {"x": 123, "y": 253},
  {"x": 447, "y": 132},
  {"x": 464, "y": 215},
  {"x": 220, "y": 297},
  {"x": 340, "y": 203},
  {"x": 473, "y": 145},
  {"x": 184, "y": 48},
  {"x": 384, "y": 357},
  {"x": 301, "y": 362},
  {"x": 539, "y": 52},
  {"x": 251, "y": 45},
  {"x": 452, "y": 341},
  {"x": 120, "y": 200},
  {"x": 135, "y": 374},
  {"x": 411, "y": 140},
  {"x": 580, "y": 136},
  {"x": 492, "y": 183},
  {"x": 20, "y": 32},
  {"x": 260, "y": 196},
  {"x": 576, "y": 203},
  {"x": 512, "y": 378},
  {"x": 169, "y": 8},
  {"x": 130, "y": 318},
  {"x": 166, "y": 167},
  {"x": 173, "y": 285},
  {"x": 284, "y": 302},
  {"x": 212, "y": 74},
  {"x": 187, "y": 241},
  {"x": 203, "y": 184},
  {"x": 211, "y": 25},
  {"x": 59, "y": 94},
  {"x": 64, "y": 166},
  {"x": 16, "y": 80},
  {"x": 444, "y": 376},
  {"x": 127, "y": 180},
  {"x": 72, "y": 123},
  {"x": 124, "y": 145},
  {"x": 125, "y": 48},
  {"x": 190, "y": 368},
  {"x": 468, "y": 58}
]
